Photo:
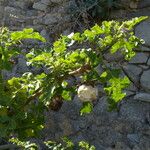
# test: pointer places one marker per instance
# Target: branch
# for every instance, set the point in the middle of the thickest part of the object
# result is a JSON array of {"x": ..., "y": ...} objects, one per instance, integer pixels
[
  {"x": 84, "y": 68},
  {"x": 38, "y": 92}
]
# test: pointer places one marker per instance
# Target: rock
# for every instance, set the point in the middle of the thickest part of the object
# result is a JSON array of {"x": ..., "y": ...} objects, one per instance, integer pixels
[
  {"x": 113, "y": 57},
  {"x": 145, "y": 80},
  {"x": 142, "y": 31},
  {"x": 133, "y": 5},
  {"x": 133, "y": 111},
  {"x": 98, "y": 145},
  {"x": 136, "y": 148},
  {"x": 11, "y": 11},
  {"x": 144, "y": 143},
  {"x": 144, "y": 67},
  {"x": 46, "y": 2},
  {"x": 129, "y": 93},
  {"x": 132, "y": 88},
  {"x": 139, "y": 58},
  {"x": 1, "y": 12},
  {"x": 57, "y": 1},
  {"x": 142, "y": 97},
  {"x": 44, "y": 33},
  {"x": 121, "y": 146},
  {"x": 20, "y": 4},
  {"x": 143, "y": 4},
  {"x": 134, "y": 138},
  {"x": 99, "y": 69},
  {"x": 146, "y": 130},
  {"x": 101, "y": 106},
  {"x": 133, "y": 72},
  {"x": 22, "y": 66},
  {"x": 52, "y": 18},
  {"x": 148, "y": 62},
  {"x": 40, "y": 6},
  {"x": 144, "y": 48}
]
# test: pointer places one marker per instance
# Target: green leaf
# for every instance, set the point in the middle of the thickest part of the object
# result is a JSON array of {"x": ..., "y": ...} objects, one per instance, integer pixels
[
  {"x": 66, "y": 95},
  {"x": 64, "y": 84},
  {"x": 114, "y": 90},
  {"x": 104, "y": 74},
  {"x": 89, "y": 35},
  {"x": 26, "y": 34},
  {"x": 87, "y": 107},
  {"x": 78, "y": 37},
  {"x": 131, "y": 23},
  {"x": 117, "y": 46},
  {"x": 97, "y": 29},
  {"x": 59, "y": 46}
]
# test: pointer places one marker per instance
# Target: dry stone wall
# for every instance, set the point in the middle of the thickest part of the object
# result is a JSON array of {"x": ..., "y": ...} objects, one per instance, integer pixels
[
  {"x": 128, "y": 129},
  {"x": 45, "y": 16}
]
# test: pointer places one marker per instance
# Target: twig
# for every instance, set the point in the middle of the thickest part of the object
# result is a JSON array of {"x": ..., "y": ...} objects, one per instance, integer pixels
[
  {"x": 81, "y": 70},
  {"x": 77, "y": 72}
]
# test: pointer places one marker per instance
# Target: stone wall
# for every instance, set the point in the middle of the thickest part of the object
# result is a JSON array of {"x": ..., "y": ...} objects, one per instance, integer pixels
[
  {"x": 128, "y": 129},
  {"x": 46, "y": 16}
]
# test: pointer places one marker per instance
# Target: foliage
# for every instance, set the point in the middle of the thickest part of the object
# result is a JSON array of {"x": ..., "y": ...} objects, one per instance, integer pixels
[
  {"x": 24, "y": 99},
  {"x": 65, "y": 144}
]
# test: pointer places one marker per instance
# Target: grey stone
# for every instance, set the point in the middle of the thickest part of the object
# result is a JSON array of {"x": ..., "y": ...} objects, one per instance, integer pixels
[
  {"x": 139, "y": 58},
  {"x": 133, "y": 72},
  {"x": 101, "y": 106},
  {"x": 129, "y": 93},
  {"x": 20, "y": 4},
  {"x": 11, "y": 11},
  {"x": 136, "y": 148},
  {"x": 144, "y": 48},
  {"x": 40, "y": 6},
  {"x": 142, "y": 97},
  {"x": 46, "y": 2},
  {"x": 148, "y": 62},
  {"x": 132, "y": 88},
  {"x": 98, "y": 145},
  {"x": 144, "y": 67},
  {"x": 143, "y": 4},
  {"x": 57, "y": 1},
  {"x": 52, "y": 18},
  {"x": 145, "y": 80},
  {"x": 44, "y": 33},
  {"x": 99, "y": 69},
  {"x": 142, "y": 12},
  {"x": 134, "y": 138},
  {"x": 121, "y": 146},
  {"x": 114, "y": 57},
  {"x": 21, "y": 66},
  {"x": 133, "y": 111},
  {"x": 1, "y": 12},
  {"x": 146, "y": 130},
  {"x": 142, "y": 31}
]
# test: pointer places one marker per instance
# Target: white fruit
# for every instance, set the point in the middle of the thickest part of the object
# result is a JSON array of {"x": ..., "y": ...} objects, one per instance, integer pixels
[{"x": 87, "y": 93}]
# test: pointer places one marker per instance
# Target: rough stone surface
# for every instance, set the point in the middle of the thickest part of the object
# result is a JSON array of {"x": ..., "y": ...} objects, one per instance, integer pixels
[
  {"x": 148, "y": 62},
  {"x": 40, "y": 6},
  {"x": 37, "y": 14},
  {"x": 144, "y": 4},
  {"x": 144, "y": 48},
  {"x": 142, "y": 97},
  {"x": 142, "y": 31},
  {"x": 145, "y": 80},
  {"x": 133, "y": 72},
  {"x": 139, "y": 58}
]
